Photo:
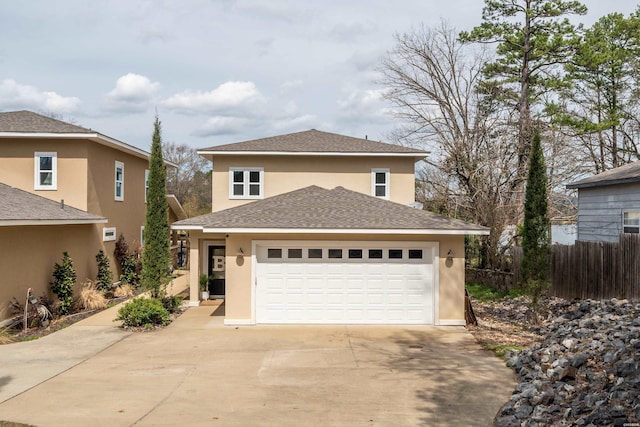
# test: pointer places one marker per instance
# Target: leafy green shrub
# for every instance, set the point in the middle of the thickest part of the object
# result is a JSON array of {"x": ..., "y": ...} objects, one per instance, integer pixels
[
  {"x": 64, "y": 277},
  {"x": 146, "y": 312},
  {"x": 105, "y": 277},
  {"x": 130, "y": 265},
  {"x": 172, "y": 304}
]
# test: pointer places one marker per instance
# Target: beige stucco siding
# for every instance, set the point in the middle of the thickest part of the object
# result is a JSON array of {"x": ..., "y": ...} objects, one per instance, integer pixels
[
  {"x": 283, "y": 174},
  {"x": 239, "y": 277},
  {"x": 17, "y": 167},
  {"x": 28, "y": 254}
]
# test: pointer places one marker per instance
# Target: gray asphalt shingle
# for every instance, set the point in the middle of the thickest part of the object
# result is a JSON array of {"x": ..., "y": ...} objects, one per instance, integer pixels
[
  {"x": 22, "y": 206},
  {"x": 315, "y": 141},
  {"x": 30, "y": 122},
  {"x": 318, "y": 208},
  {"x": 620, "y": 175}
]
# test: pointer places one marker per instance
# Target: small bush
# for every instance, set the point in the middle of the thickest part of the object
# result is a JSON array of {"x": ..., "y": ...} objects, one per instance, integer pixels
[
  {"x": 91, "y": 298},
  {"x": 64, "y": 277},
  {"x": 147, "y": 312},
  {"x": 105, "y": 277},
  {"x": 484, "y": 293},
  {"x": 172, "y": 304},
  {"x": 124, "y": 290}
]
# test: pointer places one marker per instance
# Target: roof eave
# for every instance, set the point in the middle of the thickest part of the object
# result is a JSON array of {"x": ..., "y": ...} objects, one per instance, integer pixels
[
  {"x": 23, "y": 222},
  {"x": 578, "y": 185},
  {"x": 403, "y": 231},
  {"x": 416, "y": 155}
]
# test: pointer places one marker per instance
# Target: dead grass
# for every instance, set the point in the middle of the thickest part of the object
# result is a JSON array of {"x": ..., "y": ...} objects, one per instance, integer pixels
[
  {"x": 124, "y": 290},
  {"x": 90, "y": 297}
]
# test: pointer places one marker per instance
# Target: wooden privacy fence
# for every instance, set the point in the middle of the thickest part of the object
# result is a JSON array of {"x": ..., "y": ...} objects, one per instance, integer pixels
[{"x": 594, "y": 270}]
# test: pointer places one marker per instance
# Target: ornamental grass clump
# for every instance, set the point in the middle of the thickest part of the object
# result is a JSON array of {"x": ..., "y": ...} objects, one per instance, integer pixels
[
  {"x": 91, "y": 298},
  {"x": 143, "y": 312}
]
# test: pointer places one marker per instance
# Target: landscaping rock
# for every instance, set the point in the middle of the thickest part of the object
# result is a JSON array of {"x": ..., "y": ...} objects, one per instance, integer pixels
[{"x": 584, "y": 372}]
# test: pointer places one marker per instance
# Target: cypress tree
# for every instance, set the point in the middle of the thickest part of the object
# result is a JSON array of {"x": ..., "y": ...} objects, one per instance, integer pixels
[
  {"x": 156, "y": 254},
  {"x": 535, "y": 231}
]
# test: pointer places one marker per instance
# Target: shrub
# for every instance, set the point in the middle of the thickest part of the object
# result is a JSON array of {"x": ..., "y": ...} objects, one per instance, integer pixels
[
  {"x": 91, "y": 298},
  {"x": 172, "y": 304},
  {"x": 105, "y": 277},
  {"x": 146, "y": 312},
  {"x": 122, "y": 249},
  {"x": 129, "y": 262},
  {"x": 64, "y": 277}
]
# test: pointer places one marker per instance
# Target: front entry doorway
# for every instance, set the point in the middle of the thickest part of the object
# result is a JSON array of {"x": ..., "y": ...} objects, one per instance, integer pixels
[{"x": 216, "y": 270}]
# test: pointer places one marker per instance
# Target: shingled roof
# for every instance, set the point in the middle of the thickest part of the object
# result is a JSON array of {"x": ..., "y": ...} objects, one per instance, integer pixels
[
  {"x": 30, "y": 122},
  {"x": 620, "y": 175},
  {"x": 315, "y": 208},
  {"x": 18, "y": 207},
  {"x": 312, "y": 141}
]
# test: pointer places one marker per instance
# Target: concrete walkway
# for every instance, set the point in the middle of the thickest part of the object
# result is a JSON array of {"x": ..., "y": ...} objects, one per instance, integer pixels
[
  {"x": 24, "y": 365},
  {"x": 199, "y": 372}
]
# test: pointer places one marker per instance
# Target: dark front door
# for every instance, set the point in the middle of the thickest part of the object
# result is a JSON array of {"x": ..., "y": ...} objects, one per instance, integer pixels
[{"x": 216, "y": 270}]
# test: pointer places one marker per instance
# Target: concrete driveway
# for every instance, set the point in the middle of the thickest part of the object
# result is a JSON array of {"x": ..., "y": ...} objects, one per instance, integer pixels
[{"x": 197, "y": 372}]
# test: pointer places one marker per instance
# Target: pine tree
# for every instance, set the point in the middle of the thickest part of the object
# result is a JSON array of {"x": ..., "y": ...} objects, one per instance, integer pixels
[
  {"x": 156, "y": 255},
  {"x": 535, "y": 231}
]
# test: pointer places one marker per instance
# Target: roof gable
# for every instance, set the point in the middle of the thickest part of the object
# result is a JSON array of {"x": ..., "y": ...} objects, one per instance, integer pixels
[
  {"x": 620, "y": 175},
  {"x": 312, "y": 141},
  {"x": 315, "y": 208},
  {"x": 19, "y": 207}
]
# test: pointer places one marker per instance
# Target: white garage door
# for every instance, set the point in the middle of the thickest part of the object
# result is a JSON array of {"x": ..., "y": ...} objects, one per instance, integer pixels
[{"x": 341, "y": 282}]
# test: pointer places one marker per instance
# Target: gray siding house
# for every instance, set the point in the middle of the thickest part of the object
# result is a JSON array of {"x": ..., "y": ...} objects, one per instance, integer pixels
[{"x": 609, "y": 204}]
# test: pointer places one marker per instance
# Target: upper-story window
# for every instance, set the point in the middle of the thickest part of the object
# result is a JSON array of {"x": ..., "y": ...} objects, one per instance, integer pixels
[
  {"x": 119, "y": 179},
  {"x": 146, "y": 184},
  {"x": 46, "y": 171},
  {"x": 380, "y": 183},
  {"x": 631, "y": 222},
  {"x": 246, "y": 183}
]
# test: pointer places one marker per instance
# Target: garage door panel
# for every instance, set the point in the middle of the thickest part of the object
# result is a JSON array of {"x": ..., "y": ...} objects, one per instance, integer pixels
[{"x": 344, "y": 290}]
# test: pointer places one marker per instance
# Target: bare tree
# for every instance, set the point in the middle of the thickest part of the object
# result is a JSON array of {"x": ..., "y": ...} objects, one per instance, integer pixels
[
  {"x": 191, "y": 181},
  {"x": 432, "y": 80}
]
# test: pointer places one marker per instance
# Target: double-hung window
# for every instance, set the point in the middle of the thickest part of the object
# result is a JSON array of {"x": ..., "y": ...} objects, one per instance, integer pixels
[
  {"x": 119, "y": 180},
  {"x": 631, "y": 222},
  {"x": 246, "y": 183},
  {"x": 46, "y": 170},
  {"x": 380, "y": 183}
]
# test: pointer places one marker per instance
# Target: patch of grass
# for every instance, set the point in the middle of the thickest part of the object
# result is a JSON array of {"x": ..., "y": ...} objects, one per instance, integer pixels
[
  {"x": 484, "y": 293},
  {"x": 500, "y": 349}
]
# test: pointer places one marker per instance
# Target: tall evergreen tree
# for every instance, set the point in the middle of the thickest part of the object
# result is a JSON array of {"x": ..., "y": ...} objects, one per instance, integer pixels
[
  {"x": 533, "y": 37},
  {"x": 156, "y": 254},
  {"x": 535, "y": 231}
]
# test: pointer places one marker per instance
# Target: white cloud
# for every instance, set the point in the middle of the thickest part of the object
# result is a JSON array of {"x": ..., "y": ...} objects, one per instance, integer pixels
[
  {"x": 132, "y": 93},
  {"x": 229, "y": 95},
  {"x": 219, "y": 125},
  {"x": 17, "y": 96}
]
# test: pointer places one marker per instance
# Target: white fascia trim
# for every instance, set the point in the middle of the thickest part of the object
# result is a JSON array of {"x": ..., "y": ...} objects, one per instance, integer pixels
[
  {"x": 338, "y": 231},
  {"x": 20, "y": 222},
  {"x": 418, "y": 155},
  {"x": 187, "y": 227},
  {"x": 238, "y": 322}
]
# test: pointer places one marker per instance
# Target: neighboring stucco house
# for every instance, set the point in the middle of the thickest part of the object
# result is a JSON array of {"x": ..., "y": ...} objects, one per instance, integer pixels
[
  {"x": 314, "y": 227},
  {"x": 96, "y": 189},
  {"x": 609, "y": 204}
]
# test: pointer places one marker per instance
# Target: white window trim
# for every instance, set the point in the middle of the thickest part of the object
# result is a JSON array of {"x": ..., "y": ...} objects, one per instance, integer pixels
[
  {"x": 624, "y": 226},
  {"x": 54, "y": 170},
  {"x": 387, "y": 186},
  {"x": 115, "y": 182},
  {"x": 106, "y": 231},
  {"x": 146, "y": 184},
  {"x": 142, "y": 235},
  {"x": 246, "y": 171}
]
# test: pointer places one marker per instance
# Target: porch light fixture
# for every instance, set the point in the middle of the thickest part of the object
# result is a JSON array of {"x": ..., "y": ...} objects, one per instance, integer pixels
[
  {"x": 450, "y": 255},
  {"x": 240, "y": 253}
]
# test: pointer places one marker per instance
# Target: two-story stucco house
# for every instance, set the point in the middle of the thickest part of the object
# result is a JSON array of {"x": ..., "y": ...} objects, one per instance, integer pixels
[
  {"x": 609, "y": 204},
  {"x": 314, "y": 227},
  {"x": 63, "y": 188}
]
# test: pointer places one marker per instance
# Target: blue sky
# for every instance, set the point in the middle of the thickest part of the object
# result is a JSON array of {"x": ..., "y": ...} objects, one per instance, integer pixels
[{"x": 216, "y": 71}]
